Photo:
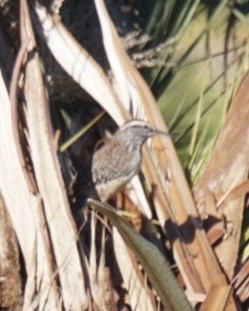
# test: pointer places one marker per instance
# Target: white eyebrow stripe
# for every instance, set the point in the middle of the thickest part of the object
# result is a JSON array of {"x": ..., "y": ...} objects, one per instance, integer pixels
[{"x": 134, "y": 123}]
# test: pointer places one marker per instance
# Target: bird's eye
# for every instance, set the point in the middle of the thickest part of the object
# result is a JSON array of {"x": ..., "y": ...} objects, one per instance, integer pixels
[{"x": 148, "y": 127}]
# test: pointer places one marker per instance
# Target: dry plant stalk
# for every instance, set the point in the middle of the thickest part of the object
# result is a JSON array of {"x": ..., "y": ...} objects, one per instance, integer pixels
[
  {"x": 226, "y": 179},
  {"x": 40, "y": 213}
]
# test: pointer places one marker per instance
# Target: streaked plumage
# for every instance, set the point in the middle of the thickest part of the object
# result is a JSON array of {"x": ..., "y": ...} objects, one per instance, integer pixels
[{"x": 116, "y": 162}]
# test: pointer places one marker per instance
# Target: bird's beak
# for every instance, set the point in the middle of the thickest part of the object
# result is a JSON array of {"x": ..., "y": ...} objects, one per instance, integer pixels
[{"x": 157, "y": 132}]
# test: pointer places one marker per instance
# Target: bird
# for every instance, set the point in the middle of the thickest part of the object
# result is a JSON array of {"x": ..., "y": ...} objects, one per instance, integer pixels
[{"x": 119, "y": 159}]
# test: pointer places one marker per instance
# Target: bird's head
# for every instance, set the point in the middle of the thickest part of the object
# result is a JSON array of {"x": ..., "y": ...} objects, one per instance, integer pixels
[{"x": 136, "y": 132}]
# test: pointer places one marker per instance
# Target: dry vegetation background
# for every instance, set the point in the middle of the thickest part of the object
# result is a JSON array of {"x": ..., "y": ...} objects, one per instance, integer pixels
[{"x": 178, "y": 237}]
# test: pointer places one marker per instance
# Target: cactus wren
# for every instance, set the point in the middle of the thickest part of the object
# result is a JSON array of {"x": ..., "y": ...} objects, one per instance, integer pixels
[{"x": 116, "y": 162}]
